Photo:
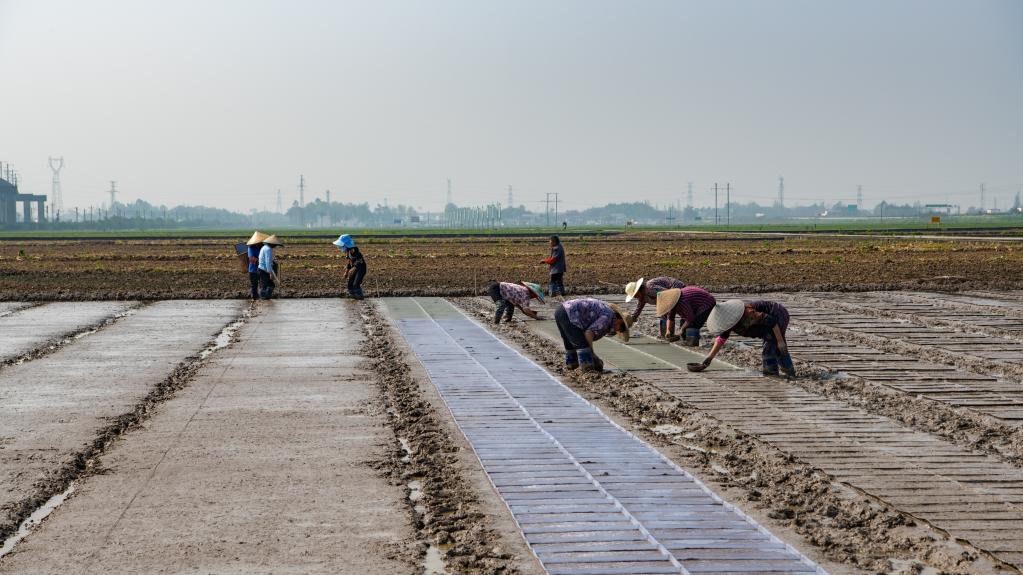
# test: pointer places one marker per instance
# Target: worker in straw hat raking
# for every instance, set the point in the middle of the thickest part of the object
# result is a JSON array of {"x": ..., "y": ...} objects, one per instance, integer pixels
[
  {"x": 253, "y": 246},
  {"x": 762, "y": 319},
  {"x": 509, "y": 296},
  {"x": 583, "y": 321},
  {"x": 645, "y": 292},
  {"x": 267, "y": 267},
  {"x": 693, "y": 304},
  {"x": 355, "y": 270}
]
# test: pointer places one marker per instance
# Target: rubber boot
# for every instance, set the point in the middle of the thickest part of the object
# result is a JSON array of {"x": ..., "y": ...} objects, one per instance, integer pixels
[
  {"x": 787, "y": 367},
  {"x": 692, "y": 337},
  {"x": 770, "y": 365},
  {"x": 672, "y": 337},
  {"x": 571, "y": 359},
  {"x": 586, "y": 360}
]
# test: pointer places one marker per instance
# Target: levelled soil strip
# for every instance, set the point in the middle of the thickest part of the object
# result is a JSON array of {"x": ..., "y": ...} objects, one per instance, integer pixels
[{"x": 84, "y": 462}]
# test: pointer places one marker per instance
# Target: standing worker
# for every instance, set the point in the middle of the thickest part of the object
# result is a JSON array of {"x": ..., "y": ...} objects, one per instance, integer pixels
[
  {"x": 253, "y": 246},
  {"x": 556, "y": 261},
  {"x": 762, "y": 319},
  {"x": 355, "y": 271},
  {"x": 583, "y": 321},
  {"x": 693, "y": 303},
  {"x": 267, "y": 267},
  {"x": 509, "y": 296},
  {"x": 646, "y": 292}
]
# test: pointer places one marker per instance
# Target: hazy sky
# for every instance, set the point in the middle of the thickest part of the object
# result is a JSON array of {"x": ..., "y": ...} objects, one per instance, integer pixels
[{"x": 223, "y": 103}]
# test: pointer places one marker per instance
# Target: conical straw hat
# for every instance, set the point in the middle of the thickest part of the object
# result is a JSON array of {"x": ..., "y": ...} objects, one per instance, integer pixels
[
  {"x": 632, "y": 288},
  {"x": 626, "y": 319},
  {"x": 272, "y": 240},
  {"x": 666, "y": 301},
  {"x": 257, "y": 238},
  {"x": 725, "y": 315},
  {"x": 535, "y": 288}
]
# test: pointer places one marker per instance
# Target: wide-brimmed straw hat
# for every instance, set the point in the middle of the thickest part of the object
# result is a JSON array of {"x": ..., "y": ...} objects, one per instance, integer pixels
[
  {"x": 535, "y": 288},
  {"x": 725, "y": 315},
  {"x": 626, "y": 319},
  {"x": 257, "y": 238},
  {"x": 632, "y": 288},
  {"x": 666, "y": 301},
  {"x": 273, "y": 241}
]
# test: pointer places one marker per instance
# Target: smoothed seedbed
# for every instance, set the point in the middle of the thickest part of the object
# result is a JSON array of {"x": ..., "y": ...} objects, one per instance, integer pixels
[
  {"x": 252, "y": 468},
  {"x": 29, "y": 329},
  {"x": 581, "y": 488},
  {"x": 52, "y": 408}
]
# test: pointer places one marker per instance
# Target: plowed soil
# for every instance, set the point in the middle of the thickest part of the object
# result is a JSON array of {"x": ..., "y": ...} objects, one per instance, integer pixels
[{"x": 204, "y": 268}]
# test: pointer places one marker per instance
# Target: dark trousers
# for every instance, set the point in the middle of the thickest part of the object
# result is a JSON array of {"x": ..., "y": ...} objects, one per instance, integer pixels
[
  {"x": 355, "y": 278},
  {"x": 573, "y": 337},
  {"x": 254, "y": 284},
  {"x": 557, "y": 285},
  {"x": 772, "y": 357},
  {"x": 266, "y": 283},
  {"x": 504, "y": 307}
]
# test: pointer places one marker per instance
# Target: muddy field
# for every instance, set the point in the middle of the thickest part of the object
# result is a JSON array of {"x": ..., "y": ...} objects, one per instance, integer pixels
[{"x": 161, "y": 269}]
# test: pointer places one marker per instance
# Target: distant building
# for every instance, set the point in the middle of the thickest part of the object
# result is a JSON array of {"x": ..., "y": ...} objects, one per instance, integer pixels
[{"x": 9, "y": 198}]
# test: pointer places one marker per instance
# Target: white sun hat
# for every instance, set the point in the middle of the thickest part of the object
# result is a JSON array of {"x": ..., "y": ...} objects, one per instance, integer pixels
[
  {"x": 666, "y": 301},
  {"x": 725, "y": 315},
  {"x": 257, "y": 238},
  {"x": 632, "y": 288}
]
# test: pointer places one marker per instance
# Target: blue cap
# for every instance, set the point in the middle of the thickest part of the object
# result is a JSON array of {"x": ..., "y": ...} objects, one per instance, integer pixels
[{"x": 345, "y": 241}]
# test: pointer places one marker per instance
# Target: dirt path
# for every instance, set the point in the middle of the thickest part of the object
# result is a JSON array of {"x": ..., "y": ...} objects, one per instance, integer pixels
[{"x": 264, "y": 463}]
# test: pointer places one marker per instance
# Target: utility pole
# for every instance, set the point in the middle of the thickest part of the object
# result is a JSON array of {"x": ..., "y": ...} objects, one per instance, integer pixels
[
  {"x": 717, "y": 220},
  {"x": 728, "y": 203},
  {"x": 781, "y": 192},
  {"x": 689, "y": 197},
  {"x": 113, "y": 193},
  {"x": 301, "y": 191},
  {"x": 556, "y": 208},
  {"x": 859, "y": 197},
  {"x": 982, "y": 198},
  {"x": 56, "y": 198},
  {"x": 547, "y": 211}
]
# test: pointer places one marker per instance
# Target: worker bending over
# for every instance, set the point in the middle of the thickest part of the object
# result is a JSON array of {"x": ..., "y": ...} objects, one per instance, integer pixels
[
  {"x": 693, "y": 304},
  {"x": 582, "y": 322},
  {"x": 509, "y": 296},
  {"x": 645, "y": 292},
  {"x": 761, "y": 319}
]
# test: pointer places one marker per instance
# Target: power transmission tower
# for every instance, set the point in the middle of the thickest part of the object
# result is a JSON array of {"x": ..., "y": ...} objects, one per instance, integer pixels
[
  {"x": 328, "y": 196},
  {"x": 728, "y": 203},
  {"x": 982, "y": 198},
  {"x": 301, "y": 191},
  {"x": 113, "y": 193},
  {"x": 859, "y": 197},
  {"x": 689, "y": 196},
  {"x": 781, "y": 192},
  {"x": 56, "y": 197},
  {"x": 449, "y": 191},
  {"x": 280, "y": 206},
  {"x": 511, "y": 199}
]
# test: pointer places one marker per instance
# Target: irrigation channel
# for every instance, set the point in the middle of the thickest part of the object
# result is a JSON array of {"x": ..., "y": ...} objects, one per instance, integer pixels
[{"x": 218, "y": 436}]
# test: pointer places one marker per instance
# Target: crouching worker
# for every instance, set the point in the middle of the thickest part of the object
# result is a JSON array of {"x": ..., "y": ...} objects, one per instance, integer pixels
[
  {"x": 645, "y": 292},
  {"x": 355, "y": 271},
  {"x": 693, "y": 304},
  {"x": 509, "y": 296},
  {"x": 762, "y": 319},
  {"x": 584, "y": 321}
]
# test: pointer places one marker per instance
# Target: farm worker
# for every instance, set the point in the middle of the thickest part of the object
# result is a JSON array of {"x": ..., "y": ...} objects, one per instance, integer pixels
[
  {"x": 509, "y": 296},
  {"x": 583, "y": 321},
  {"x": 267, "y": 267},
  {"x": 556, "y": 261},
  {"x": 762, "y": 319},
  {"x": 693, "y": 303},
  {"x": 355, "y": 271},
  {"x": 646, "y": 292},
  {"x": 254, "y": 244}
]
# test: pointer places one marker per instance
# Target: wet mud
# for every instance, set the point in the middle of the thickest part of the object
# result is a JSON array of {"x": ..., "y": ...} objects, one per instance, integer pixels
[
  {"x": 85, "y": 461},
  {"x": 56, "y": 343},
  {"x": 446, "y": 511},
  {"x": 843, "y": 525}
]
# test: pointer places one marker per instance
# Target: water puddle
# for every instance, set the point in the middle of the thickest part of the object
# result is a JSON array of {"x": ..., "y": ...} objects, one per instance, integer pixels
[
  {"x": 433, "y": 563},
  {"x": 223, "y": 339},
  {"x": 668, "y": 429},
  {"x": 406, "y": 450},
  {"x": 416, "y": 494},
  {"x": 35, "y": 519}
]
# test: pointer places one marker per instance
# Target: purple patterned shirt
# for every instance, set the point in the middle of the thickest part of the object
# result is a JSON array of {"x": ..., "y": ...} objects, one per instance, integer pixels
[
  {"x": 653, "y": 287},
  {"x": 590, "y": 314},
  {"x": 518, "y": 295},
  {"x": 693, "y": 302}
]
